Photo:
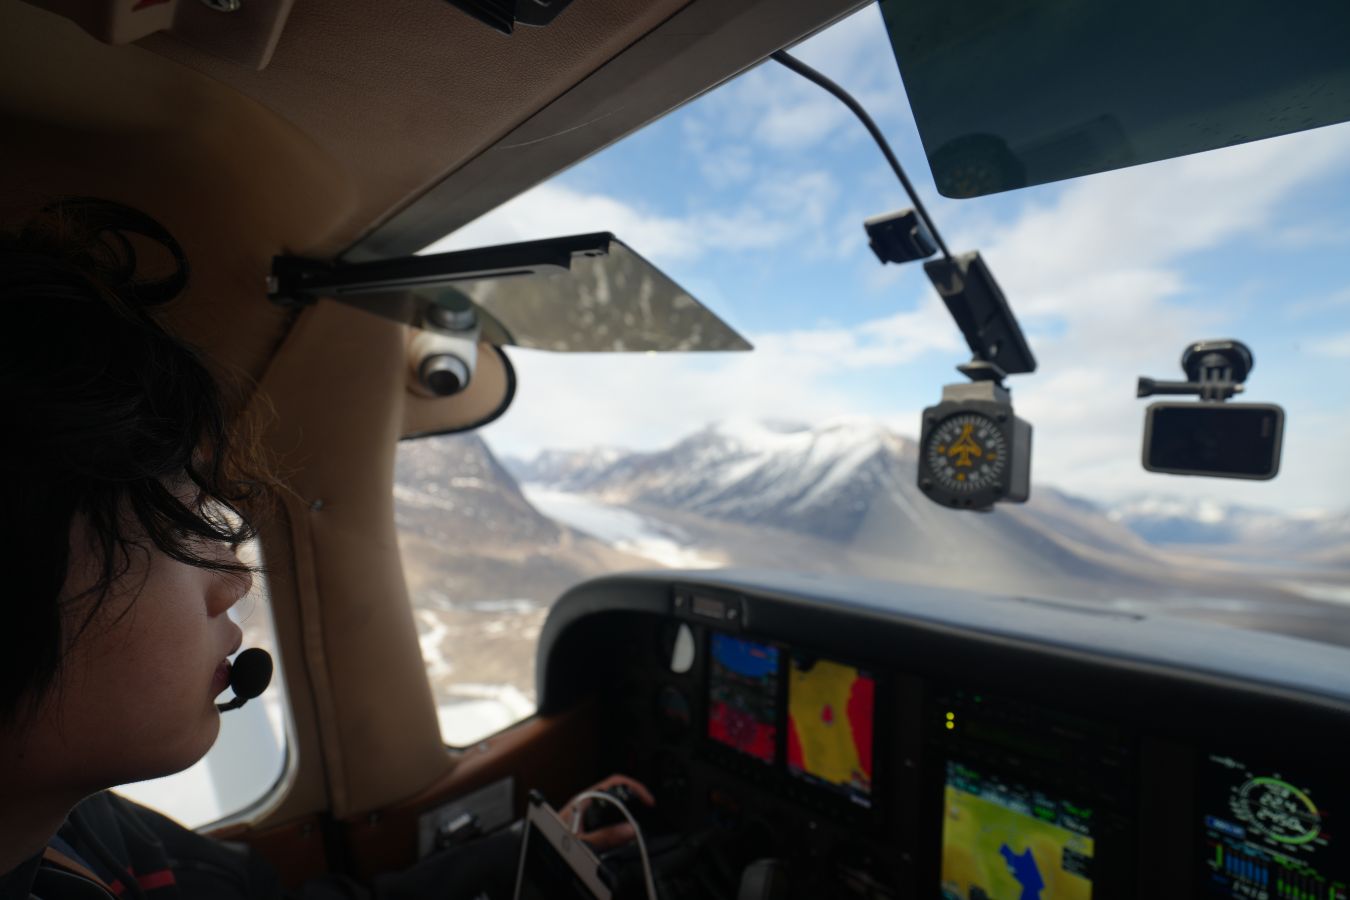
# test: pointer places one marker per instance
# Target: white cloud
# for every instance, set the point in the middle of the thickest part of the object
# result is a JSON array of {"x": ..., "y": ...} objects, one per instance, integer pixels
[
  {"x": 552, "y": 210},
  {"x": 1337, "y": 346},
  {"x": 646, "y": 401},
  {"x": 1140, "y": 218},
  {"x": 727, "y": 165},
  {"x": 795, "y": 121},
  {"x": 1104, "y": 263},
  {"x": 777, "y": 109},
  {"x": 780, "y": 207},
  {"x": 1326, "y": 303},
  {"x": 1313, "y": 234}
]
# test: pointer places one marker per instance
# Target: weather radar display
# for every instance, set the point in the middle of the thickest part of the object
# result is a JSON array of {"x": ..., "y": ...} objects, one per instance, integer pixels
[
  {"x": 1004, "y": 841},
  {"x": 743, "y": 696},
  {"x": 1267, "y": 838},
  {"x": 830, "y": 716}
]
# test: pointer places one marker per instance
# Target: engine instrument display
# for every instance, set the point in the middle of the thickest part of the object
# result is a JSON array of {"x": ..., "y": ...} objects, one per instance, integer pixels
[
  {"x": 743, "y": 696},
  {"x": 1267, "y": 836},
  {"x": 1002, "y": 840},
  {"x": 831, "y": 709}
]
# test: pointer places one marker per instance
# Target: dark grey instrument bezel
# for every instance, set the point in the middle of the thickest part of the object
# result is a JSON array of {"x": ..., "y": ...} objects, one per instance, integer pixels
[
  {"x": 916, "y": 627},
  {"x": 1180, "y": 688}
]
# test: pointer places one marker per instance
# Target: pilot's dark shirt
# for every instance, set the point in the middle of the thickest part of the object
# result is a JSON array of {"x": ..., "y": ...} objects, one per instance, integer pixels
[{"x": 112, "y": 849}]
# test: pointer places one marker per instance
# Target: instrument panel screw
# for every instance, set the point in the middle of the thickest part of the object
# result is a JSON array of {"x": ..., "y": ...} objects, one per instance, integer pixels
[{"x": 732, "y": 614}]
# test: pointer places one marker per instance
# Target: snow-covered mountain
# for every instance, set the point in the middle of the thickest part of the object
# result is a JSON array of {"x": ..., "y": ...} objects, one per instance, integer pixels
[
  {"x": 819, "y": 481},
  {"x": 570, "y": 470},
  {"x": 468, "y": 533},
  {"x": 1208, "y": 524},
  {"x": 456, "y": 489},
  {"x": 829, "y": 480},
  {"x": 842, "y": 497}
]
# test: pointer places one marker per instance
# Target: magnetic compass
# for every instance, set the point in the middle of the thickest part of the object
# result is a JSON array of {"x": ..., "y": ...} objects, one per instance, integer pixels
[
  {"x": 974, "y": 453},
  {"x": 967, "y": 452}
]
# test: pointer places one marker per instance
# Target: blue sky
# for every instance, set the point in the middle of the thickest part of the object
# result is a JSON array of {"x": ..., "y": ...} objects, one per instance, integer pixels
[{"x": 753, "y": 198}]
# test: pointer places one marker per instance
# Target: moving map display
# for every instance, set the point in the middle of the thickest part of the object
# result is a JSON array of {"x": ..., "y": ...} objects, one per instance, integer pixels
[
  {"x": 743, "y": 696},
  {"x": 1268, "y": 836},
  {"x": 830, "y": 721},
  {"x": 1004, "y": 841}
]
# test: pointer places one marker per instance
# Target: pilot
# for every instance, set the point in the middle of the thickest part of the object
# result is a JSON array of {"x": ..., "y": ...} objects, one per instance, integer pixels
[{"x": 122, "y": 500}]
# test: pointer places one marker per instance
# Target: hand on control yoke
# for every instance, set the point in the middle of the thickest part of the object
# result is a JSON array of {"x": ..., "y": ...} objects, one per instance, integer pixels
[{"x": 601, "y": 824}]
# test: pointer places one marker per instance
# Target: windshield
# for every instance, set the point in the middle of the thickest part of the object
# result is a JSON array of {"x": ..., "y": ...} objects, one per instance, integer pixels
[{"x": 801, "y": 455}]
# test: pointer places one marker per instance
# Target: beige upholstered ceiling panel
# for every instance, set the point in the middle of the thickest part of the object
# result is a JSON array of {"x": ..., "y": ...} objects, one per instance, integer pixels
[
  {"x": 401, "y": 92},
  {"x": 364, "y": 105}
]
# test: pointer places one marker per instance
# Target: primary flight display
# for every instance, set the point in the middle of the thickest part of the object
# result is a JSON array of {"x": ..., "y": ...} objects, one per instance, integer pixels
[{"x": 743, "y": 696}]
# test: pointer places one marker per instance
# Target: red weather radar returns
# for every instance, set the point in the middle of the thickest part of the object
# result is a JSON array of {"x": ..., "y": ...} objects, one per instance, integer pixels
[{"x": 830, "y": 714}]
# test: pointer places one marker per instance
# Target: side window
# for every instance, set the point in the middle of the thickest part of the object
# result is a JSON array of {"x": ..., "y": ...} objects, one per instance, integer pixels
[
  {"x": 482, "y": 568},
  {"x": 249, "y": 757}
]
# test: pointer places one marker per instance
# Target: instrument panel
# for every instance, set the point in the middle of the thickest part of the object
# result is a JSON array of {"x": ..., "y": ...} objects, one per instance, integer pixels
[{"x": 930, "y": 746}]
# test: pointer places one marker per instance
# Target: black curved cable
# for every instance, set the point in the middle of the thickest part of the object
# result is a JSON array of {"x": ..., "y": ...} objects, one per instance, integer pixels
[{"x": 788, "y": 60}]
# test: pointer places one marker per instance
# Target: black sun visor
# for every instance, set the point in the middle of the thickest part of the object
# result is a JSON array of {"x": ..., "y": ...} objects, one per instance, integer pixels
[
  {"x": 584, "y": 293},
  {"x": 1010, "y": 94}
]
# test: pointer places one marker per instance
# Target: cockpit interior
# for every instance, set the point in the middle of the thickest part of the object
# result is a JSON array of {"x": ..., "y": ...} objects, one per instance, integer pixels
[{"x": 803, "y": 734}]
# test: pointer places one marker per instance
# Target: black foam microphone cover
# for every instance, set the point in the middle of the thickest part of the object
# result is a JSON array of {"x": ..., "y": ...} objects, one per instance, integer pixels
[{"x": 250, "y": 674}]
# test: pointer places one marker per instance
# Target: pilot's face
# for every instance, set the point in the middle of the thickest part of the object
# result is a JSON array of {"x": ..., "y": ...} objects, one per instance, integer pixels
[{"x": 136, "y": 695}]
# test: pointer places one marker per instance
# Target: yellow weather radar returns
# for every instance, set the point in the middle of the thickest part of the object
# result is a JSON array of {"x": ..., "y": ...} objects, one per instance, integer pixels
[{"x": 830, "y": 712}]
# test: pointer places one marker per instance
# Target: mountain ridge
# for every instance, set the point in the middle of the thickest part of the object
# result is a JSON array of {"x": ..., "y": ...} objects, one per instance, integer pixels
[
  {"x": 1158, "y": 520},
  {"x": 850, "y": 486}
]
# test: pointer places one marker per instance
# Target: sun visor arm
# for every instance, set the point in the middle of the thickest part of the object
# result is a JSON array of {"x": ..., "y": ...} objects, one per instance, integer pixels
[{"x": 584, "y": 293}]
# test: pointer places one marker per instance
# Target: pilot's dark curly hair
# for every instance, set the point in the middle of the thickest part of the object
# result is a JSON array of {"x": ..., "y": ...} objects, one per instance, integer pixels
[{"x": 109, "y": 417}]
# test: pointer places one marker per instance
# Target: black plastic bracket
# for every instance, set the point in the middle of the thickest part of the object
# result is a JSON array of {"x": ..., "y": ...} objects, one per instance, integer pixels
[
  {"x": 297, "y": 282},
  {"x": 1215, "y": 369},
  {"x": 505, "y": 15},
  {"x": 976, "y": 302},
  {"x": 978, "y": 370}
]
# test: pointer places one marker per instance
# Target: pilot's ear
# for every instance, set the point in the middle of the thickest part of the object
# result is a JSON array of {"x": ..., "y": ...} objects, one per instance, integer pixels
[{"x": 488, "y": 394}]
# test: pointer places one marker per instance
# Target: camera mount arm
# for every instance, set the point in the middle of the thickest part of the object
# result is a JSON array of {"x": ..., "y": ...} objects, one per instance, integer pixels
[{"x": 1216, "y": 370}]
